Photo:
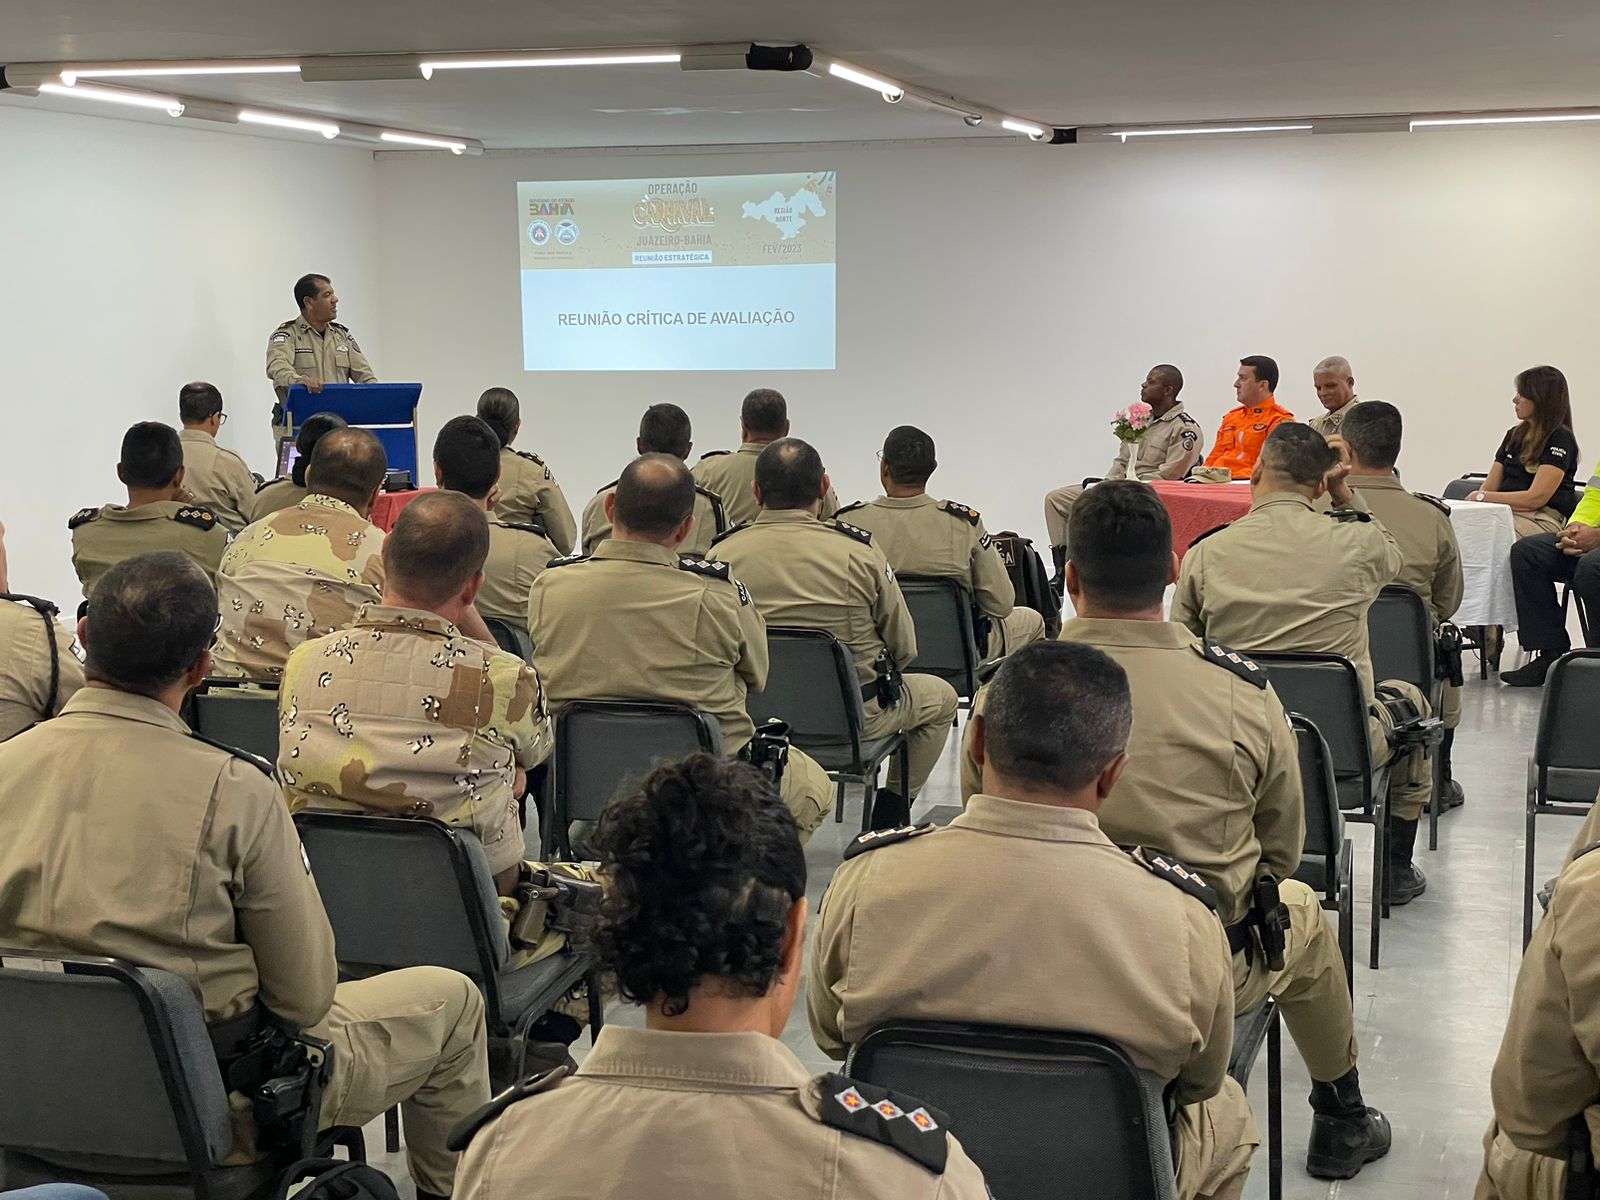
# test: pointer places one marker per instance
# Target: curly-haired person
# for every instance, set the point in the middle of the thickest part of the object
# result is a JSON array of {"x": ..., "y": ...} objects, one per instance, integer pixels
[{"x": 704, "y": 927}]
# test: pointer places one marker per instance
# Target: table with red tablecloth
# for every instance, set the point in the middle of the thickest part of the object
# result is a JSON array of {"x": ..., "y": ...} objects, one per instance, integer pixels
[
  {"x": 1196, "y": 508},
  {"x": 387, "y": 510}
]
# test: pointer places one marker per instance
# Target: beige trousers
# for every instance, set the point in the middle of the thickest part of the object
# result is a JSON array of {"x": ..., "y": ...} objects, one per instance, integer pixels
[
  {"x": 1411, "y": 781},
  {"x": 1216, "y": 1140},
  {"x": 926, "y": 711},
  {"x": 1058, "y": 511},
  {"x": 1012, "y": 632},
  {"x": 1546, "y": 520},
  {"x": 807, "y": 792},
  {"x": 1511, "y": 1173}
]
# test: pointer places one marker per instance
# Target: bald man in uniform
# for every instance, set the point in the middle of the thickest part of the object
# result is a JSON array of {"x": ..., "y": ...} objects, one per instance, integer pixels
[
  {"x": 215, "y": 477},
  {"x": 664, "y": 429},
  {"x": 1214, "y": 778},
  {"x": 160, "y": 513},
  {"x": 635, "y": 620},
  {"x": 313, "y": 348},
  {"x": 1135, "y": 934},
  {"x": 923, "y": 536},
  {"x": 130, "y": 836},
  {"x": 39, "y": 665},
  {"x": 814, "y": 573},
  {"x": 763, "y": 419},
  {"x": 1234, "y": 589},
  {"x": 1336, "y": 389}
]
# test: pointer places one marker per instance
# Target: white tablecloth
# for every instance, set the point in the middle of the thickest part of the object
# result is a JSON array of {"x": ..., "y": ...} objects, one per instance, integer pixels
[{"x": 1485, "y": 533}]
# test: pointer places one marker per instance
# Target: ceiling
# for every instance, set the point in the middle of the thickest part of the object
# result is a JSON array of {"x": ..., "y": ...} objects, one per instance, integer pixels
[{"x": 1082, "y": 62}]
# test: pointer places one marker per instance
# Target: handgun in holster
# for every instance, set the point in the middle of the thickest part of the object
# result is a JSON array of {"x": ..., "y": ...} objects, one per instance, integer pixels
[
  {"x": 281, "y": 1071},
  {"x": 888, "y": 685},
  {"x": 1582, "y": 1182},
  {"x": 1447, "y": 654},
  {"x": 768, "y": 750},
  {"x": 1411, "y": 731},
  {"x": 1271, "y": 919},
  {"x": 550, "y": 898},
  {"x": 982, "y": 627},
  {"x": 277, "y": 413}
]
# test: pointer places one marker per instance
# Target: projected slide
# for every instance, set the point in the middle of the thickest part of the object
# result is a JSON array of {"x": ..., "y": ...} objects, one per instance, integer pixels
[{"x": 716, "y": 273}]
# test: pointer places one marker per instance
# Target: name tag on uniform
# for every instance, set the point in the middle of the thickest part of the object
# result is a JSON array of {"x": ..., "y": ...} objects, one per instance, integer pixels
[{"x": 304, "y": 350}]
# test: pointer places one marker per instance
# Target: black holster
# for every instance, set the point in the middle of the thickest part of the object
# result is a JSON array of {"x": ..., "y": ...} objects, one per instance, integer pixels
[
  {"x": 768, "y": 750},
  {"x": 1447, "y": 654},
  {"x": 982, "y": 628},
  {"x": 889, "y": 685},
  {"x": 1582, "y": 1181},
  {"x": 1266, "y": 926},
  {"x": 282, "y": 1071},
  {"x": 549, "y": 899}
]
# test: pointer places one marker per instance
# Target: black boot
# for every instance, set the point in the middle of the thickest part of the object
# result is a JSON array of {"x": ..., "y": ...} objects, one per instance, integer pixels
[
  {"x": 1450, "y": 794},
  {"x": 890, "y": 810},
  {"x": 1406, "y": 883},
  {"x": 1345, "y": 1134},
  {"x": 1532, "y": 673},
  {"x": 1058, "y": 556}
]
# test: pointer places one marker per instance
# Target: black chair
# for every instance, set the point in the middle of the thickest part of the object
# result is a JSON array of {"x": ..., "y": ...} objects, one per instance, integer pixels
[
  {"x": 513, "y": 639},
  {"x": 947, "y": 644},
  {"x": 110, "y": 1080},
  {"x": 1263, "y": 1024},
  {"x": 1464, "y": 486},
  {"x": 1564, "y": 772},
  {"x": 1326, "y": 690},
  {"x": 1041, "y": 1113},
  {"x": 604, "y": 746},
  {"x": 239, "y": 713},
  {"x": 1326, "y": 862},
  {"x": 813, "y": 687},
  {"x": 1400, "y": 632},
  {"x": 446, "y": 914}
]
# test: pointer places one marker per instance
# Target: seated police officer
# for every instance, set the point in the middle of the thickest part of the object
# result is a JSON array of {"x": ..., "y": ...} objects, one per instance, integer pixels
[
  {"x": 664, "y": 429},
  {"x": 705, "y": 927},
  {"x": 763, "y": 419},
  {"x": 39, "y": 660},
  {"x": 127, "y": 835}
]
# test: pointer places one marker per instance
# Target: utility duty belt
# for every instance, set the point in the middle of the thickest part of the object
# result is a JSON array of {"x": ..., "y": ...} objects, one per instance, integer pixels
[
  {"x": 1266, "y": 925},
  {"x": 280, "y": 1070}
]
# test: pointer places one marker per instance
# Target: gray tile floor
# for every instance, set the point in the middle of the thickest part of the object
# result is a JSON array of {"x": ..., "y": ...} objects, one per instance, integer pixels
[{"x": 1429, "y": 1021}]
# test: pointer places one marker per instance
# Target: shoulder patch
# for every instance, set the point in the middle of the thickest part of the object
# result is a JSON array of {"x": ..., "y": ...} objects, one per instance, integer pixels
[
  {"x": 82, "y": 517},
  {"x": 1208, "y": 533},
  {"x": 1246, "y": 669},
  {"x": 728, "y": 533},
  {"x": 196, "y": 515},
  {"x": 851, "y": 507},
  {"x": 704, "y": 566},
  {"x": 1163, "y": 866},
  {"x": 969, "y": 515},
  {"x": 254, "y": 760},
  {"x": 875, "y": 838},
  {"x": 892, "y": 1118},
  {"x": 461, "y": 1136},
  {"x": 713, "y": 454},
  {"x": 263, "y": 486},
  {"x": 566, "y": 560},
  {"x": 1433, "y": 500},
  {"x": 851, "y": 531}
]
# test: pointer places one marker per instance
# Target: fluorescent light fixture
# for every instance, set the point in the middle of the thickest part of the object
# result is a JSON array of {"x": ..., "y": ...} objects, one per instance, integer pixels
[
  {"x": 171, "y": 105},
  {"x": 250, "y": 116},
  {"x": 1526, "y": 119},
  {"x": 888, "y": 88},
  {"x": 71, "y": 75},
  {"x": 433, "y": 143},
  {"x": 549, "y": 58},
  {"x": 1037, "y": 132},
  {"x": 1125, "y": 134}
]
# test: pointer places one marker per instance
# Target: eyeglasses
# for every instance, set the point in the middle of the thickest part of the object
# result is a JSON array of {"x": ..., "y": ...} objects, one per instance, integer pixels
[{"x": 222, "y": 418}]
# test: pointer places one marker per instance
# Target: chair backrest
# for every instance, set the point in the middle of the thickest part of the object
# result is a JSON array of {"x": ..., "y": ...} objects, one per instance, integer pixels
[
  {"x": 513, "y": 639},
  {"x": 1400, "y": 634},
  {"x": 104, "y": 1064},
  {"x": 1324, "y": 821},
  {"x": 1460, "y": 489},
  {"x": 812, "y": 685},
  {"x": 606, "y": 746},
  {"x": 1566, "y": 752},
  {"x": 1043, "y": 1114},
  {"x": 947, "y": 645},
  {"x": 241, "y": 715},
  {"x": 1325, "y": 689}
]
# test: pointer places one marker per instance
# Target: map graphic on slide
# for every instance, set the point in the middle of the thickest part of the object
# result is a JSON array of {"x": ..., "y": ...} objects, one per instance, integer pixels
[{"x": 784, "y": 212}]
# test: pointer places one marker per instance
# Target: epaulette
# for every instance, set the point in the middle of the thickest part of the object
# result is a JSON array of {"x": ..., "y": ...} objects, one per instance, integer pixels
[
  {"x": 528, "y": 527},
  {"x": 1184, "y": 416},
  {"x": 566, "y": 560},
  {"x": 261, "y": 487},
  {"x": 729, "y": 532},
  {"x": 82, "y": 517},
  {"x": 1163, "y": 866},
  {"x": 874, "y": 838},
  {"x": 530, "y": 456},
  {"x": 1433, "y": 500},
  {"x": 860, "y": 535},
  {"x": 611, "y": 485},
  {"x": 1231, "y": 660},
  {"x": 339, "y": 327},
  {"x": 713, "y": 454},
  {"x": 704, "y": 566},
  {"x": 1585, "y": 850},
  {"x": 852, "y": 507},
  {"x": 891, "y": 1118},
  {"x": 254, "y": 760},
  {"x": 289, "y": 324},
  {"x": 467, "y": 1128},
  {"x": 717, "y": 513},
  {"x": 1344, "y": 515},
  {"x": 1214, "y": 529},
  {"x": 969, "y": 515},
  {"x": 196, "y": 515}
]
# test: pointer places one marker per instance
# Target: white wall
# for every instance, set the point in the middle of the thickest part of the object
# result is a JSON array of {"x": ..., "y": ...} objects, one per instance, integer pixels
[
  {"x": 1008, "y": 298},
  {"x": 137, "y": 258}
]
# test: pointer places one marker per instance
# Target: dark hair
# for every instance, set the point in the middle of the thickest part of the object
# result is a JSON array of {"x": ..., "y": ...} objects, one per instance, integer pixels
[
  {"x": 909, "y": 455},
  {"x": 1372, "y": 429},
  {"x": 312, "y": 430},
  {"x": 665, "y": 429},
  {"x": 1057, "y": 714},
  {"x": 498, "y": 407},
  {"x": 197, "y": 402},
  {"x": 764, "y": 411},
  {"x": 307, "y": 287},
  {"x": 1265, "y": 368},
  {"x": 347, "y": 464},
  {"x": 1121, "y": 544},
  {"x": 467, "y": 453},
  {"x": 439, "y": 542},
  {"x": 789, "y": 474},
  {"x": 1299, "y": 452},
  {"x": 655, "y": 493},
  {"x": 150, "y": 618},
  {"x": 1170, "y": 375},
  {"x": 1546, "y": 387},
  {"x": 151, "y": 455},
  {"x": 705, "y": 862}
]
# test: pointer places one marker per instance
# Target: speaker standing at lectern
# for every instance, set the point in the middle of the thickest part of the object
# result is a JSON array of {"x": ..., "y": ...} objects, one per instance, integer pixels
[{"x": 313, "y": 349}]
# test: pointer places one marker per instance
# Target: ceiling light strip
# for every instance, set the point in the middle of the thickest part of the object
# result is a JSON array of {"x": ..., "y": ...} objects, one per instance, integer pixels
[
  {"x": 1547, "y": 118},
  {"x": 255, "y": 116},
  {"x": 416, "y": 139},
  {"x": 549, "y": 58},
  {"x": 887, "y": 88},
  {"x": 1192, "y": 130},
  {"x": 171, "y": 105},
  {"x": 71, "y": 74}
]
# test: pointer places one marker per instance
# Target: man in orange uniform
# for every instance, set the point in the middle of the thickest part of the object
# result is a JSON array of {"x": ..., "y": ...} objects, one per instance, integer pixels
[{"x": 1244, "y": 429}]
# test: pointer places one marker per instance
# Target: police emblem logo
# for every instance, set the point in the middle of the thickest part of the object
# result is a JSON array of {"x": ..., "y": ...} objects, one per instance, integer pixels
[{"x": 851, "y": 1099}]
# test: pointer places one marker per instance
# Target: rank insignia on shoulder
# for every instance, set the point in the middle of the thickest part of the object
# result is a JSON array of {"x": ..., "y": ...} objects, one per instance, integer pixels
[
  {"x": 860, "y": 535},
  {"x": 566, "y": 560},
  {"x": 82, "y": 517},
  {"x": 530, "y": 456},
  {"x": 1207, "y": 533},
  {"x": 461, "y": 1136},
  {"x": 196, "y": 515},
  {"x": 704, "y": 566},
  {"x": 1433, "y": 500},
  {"x": 609, "y": 486},
  {"x": 254, "y": 760},
  {"x": 874, "y": 838},
  {"x": 713, "y": 454},
  {"x": 970, "y": 515},
  {"x": 528, "y": 527},
  {"x": 1345, "y": 515},
  {"x": 261, "y": 487},
  {"x": 729, "y": 532},
  {"x": 1231, "y": 660},
  {"x": 1164, "y": 866},
  {"x": 910, "y": 1126},
  {"x": 850, "y": 508},
  {"x": 1585, "y": 850}
]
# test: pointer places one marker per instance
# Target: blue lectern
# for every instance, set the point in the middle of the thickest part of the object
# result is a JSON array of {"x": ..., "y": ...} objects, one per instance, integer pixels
[{"x": 389, "y": 410}]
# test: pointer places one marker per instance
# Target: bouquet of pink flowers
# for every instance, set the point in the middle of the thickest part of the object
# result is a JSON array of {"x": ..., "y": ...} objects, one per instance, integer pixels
[{"x": 1130, "y": 423}]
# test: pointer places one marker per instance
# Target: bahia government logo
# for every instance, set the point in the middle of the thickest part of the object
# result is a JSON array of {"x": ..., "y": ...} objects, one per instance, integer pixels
[
  {"x": 567, "y": 232},
  {"x": 539, "y": 233}
]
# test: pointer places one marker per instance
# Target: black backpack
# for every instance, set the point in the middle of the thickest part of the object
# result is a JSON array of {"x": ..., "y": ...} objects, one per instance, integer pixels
[{"x": 1030, "y": 579}]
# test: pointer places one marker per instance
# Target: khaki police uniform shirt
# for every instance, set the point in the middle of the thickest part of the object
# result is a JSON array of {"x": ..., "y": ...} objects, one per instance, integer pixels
[
  {"x": 923, "y": 536},
  {"x": 1329, "y": 423},
  {"x": 529, "y": 492},
  {"x": 1172, "y": 444},
  {"x": 630, "y": 623},
  {"x": 276, "y": 494},
  {"x": 404, "y": 710},
  {"x": 819, "y": 574},
  {"x": 218, "y": 479},
  {"x": 297, "y": 574},
  {"x": 28, "y": 639},
  {"x": 732, "y": 475},
  {"x": 1284, "y": 577},
  {"x": 1421, "y": 527},
  {"x": 517, "y": 556},
  {"x": 126, "y": 836},
  {"x": 691, "y": 1116},
  {"x": 103, "y": 537},
  {"x": 1025, "y": 914},
  {"x": 297, "y": 351},
  {"x": 709, "y": 521}
]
